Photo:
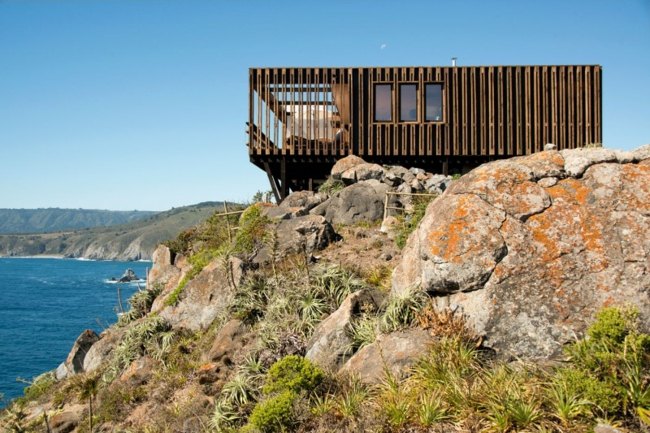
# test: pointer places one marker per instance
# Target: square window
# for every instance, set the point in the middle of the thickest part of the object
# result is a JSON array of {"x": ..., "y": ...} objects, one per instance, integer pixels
[
  {"x": 408, "y": 102},
  {"x": 383, "y": 102},
  {"x": 433, "y": 102}
]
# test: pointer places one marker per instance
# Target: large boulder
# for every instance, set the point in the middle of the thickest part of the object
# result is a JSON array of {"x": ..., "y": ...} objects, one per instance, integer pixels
[
  {"x": 301, "y": 234},
  {"x": 363, "y": 201},
  {"x": 329, "y": 347},
  {"x": 530, "y": 248},
  {"x": 74, "y": 363},
  {"x": 228, "y": 341},
  {"x": 68, "y": 419},
  {"x": 205, "y": 296},
  {"x": 163, "y": 272},
  {"x": 364, "y": 171},
  {"x": 345, "y": 164},
  {"x": 305, "y": 200},
  {"x": 396, "y": 352},
  {"x": 101, "y": 350}
]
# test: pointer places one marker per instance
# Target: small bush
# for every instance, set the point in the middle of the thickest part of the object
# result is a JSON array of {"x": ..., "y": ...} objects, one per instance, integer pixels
[
  {"x": 275, "y": 413},
  {"x": 292, "y": 373},
  {"x": 611, "y": 367},
  {"x": 41, "y": 385},
  {"x": 252, "y": 228},
  {"x": 182, "y": 244}
]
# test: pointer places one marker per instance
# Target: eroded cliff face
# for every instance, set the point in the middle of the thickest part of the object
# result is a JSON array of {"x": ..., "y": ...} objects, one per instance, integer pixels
[{"x": 530, "y": 248}]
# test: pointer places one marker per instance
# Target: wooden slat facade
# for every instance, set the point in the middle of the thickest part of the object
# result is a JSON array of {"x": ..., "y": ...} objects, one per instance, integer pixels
[{"x": 301, "y": 120}]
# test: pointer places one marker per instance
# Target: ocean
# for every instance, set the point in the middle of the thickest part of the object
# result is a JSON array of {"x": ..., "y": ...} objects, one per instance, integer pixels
[{"x": 46, "y": 303}]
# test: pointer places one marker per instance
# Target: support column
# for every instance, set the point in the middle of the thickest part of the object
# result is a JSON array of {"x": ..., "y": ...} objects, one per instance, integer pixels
[
  {"x": 274, "y": 183},
  {"x": 284, "y": 190}
]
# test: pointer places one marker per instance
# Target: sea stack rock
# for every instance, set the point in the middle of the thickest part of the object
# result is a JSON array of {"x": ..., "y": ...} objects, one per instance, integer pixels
[{"x": 128, "y": 276}]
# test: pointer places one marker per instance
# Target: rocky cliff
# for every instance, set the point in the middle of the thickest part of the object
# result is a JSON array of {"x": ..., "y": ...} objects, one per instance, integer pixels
[{"x": 309, "y": 317}]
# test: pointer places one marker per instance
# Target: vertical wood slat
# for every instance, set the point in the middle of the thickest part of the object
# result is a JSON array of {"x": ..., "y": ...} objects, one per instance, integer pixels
[
  {"x": 507, "y": 110},
  {"x": 276, "y": 110},
  {"x": 483, "y": 113},
  {"x": 500, "y": 89},
  {"x": 598, "y": 134},
  {"x": 588, "y": 106},
  {"x": 554, "y": 106},
  {"x": 544, "y": 111},
  {"x": 561, "y": 137},
  {"x": 580, "y": 133},
  {"x": 571, "y": 141}
]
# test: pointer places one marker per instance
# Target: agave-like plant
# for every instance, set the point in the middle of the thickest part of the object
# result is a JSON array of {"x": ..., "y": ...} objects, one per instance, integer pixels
[
  {"x": 239, "y": 390},
  {"x": 335, "y": 283},
  {"x": 401, "y": 310},
  {"x": 223, "y": 416},
  {"x": 362, "y": 332}
]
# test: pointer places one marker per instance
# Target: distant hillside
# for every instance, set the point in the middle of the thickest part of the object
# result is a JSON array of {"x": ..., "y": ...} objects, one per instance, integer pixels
[
  {"x": 55, "y": 219},
  {"x": 132, "y": 241}
]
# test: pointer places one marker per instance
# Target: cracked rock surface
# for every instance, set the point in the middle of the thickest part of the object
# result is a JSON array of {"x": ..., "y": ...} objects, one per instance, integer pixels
[{"x": 532, "y": 247}]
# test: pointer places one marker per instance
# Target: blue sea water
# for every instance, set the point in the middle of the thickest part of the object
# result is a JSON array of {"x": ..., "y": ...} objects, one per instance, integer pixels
[{"x": 46, "y": 303}]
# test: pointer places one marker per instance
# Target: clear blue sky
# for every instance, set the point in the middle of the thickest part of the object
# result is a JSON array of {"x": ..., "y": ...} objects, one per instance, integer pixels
[{"x": 142, "y": 104}]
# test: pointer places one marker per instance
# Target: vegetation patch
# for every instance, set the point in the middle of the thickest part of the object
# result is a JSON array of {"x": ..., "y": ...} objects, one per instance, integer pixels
[
  {"x": 292, "y": 373},
  {"x": 152, "y": 335},
  {"x": 140, "y": 304},
  {"x": 407, "y": 223},
  {"x": 331, "y": 186}
]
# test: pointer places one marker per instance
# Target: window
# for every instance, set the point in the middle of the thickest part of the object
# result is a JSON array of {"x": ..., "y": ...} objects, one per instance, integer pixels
[
  {"x": 433, "y": 102},
  {"x": 408, "y": 103},
  {"x": 383, "y": 102}
]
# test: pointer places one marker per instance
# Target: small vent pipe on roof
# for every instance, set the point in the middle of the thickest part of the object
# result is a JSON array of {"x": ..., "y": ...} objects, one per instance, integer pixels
[{"x": 453, "y": 61}]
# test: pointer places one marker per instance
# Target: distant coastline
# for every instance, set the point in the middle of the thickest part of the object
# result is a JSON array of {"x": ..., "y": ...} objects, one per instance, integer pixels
[
  {"x": 125, "y": 242},
  {"x": 61, "y": 257}
]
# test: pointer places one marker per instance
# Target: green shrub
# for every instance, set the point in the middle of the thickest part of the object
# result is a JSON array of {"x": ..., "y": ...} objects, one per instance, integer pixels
[
  {"x": 252, "y": 228},
  {"x": 292, "y": 373},
  {"x": 611, "y": 367},
  {"x": 182, "y": 244},
  {"x": 275, "y": 413},
  {"x": 582, "y": 386},
  {"x": 39, "y": 386}
]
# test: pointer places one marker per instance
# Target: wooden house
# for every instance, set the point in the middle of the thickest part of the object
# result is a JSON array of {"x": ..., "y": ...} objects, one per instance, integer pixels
[{"x": 442, "y": 119}]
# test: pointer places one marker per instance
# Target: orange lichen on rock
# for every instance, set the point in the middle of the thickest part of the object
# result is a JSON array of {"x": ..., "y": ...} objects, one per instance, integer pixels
[{"x": 444, "y": 239}]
